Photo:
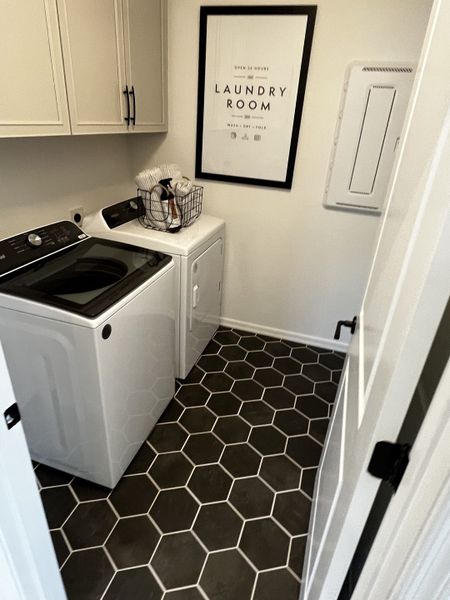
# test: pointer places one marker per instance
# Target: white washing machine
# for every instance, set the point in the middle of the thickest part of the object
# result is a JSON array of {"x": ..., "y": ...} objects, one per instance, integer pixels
[
  {"x": 197, "y": 252},
  {"x": 87, "y": 326}
]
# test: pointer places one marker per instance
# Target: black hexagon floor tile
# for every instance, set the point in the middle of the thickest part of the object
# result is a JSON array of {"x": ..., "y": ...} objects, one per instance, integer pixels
[
  {"x": 132, "y": 542},
  {"x": 86, "y": 490},
  {"x": 251, "y": 343},
  {"x": 170, "y": 470},
  {"x": 259, "y": 358},
  {"x": 203, "y": 448},
  {"x": 172, "y": 412},
  {"x": 212, "y": 363},
  {"x": 239, "y": 370},
  {"x": 277, "y": 349},
  {"x": 210, "y": 483},
  {"x": 305, "y": 355},
  {"x": 167, "y": 437},
  {"x": 326, "y": 391},
  {"x": 197, "y": 420},
  {"x": 318, "y": 429},
  {"x": 138, "y": 584},
  {"x": 195, "y": 376},
  {"x": 203, "y": 486},
  {"x": 58, "y": 503},
  {"x": 267, "y": 440},
  {"x": 227, "y": 576},
  {"x": 287, "y": 365},
  {"x": 298, "y": 384},
  {"x": 332, "y": 361},
  {"x": 316, "y": 372},
  {"x": 247, "y": 389},
  {"x": 312, "y": 406},
  {"x": 279, "y": 397},
  {"x": 265, "y": 543},
  {"x": 279, "y": 583},
  {"x": 218, "y": 526},
  {"x": 133, "y": 495},
  {"x": 86, "y": 574},
  {"x": 240, "y": 460},
  {"x": 59, "y": 543},
  {"x": 178, "y": 560},
  {"x": 280, "y": 473},
  {"x": 101, "y": 518},
  {"x": 224, "y": 403},
  {"x": 174, "y": 510},
  {"x": 268, "y": 377},
  {"x": 292, "y": 510},
  {"x": 231, "y": 429},
  {"x": 217, "y": 382},
  {"x": 291, "y": 422},
  {"x": 142, "y": 461},
  {"x": 304, "y": 450},
  {"x": 257, "y": 412},
  {"x": 49, "y": 477},
  {"x": 192, "y": 395},
  {"x": 232, "y": 353},
  {"x": 251, "y": 497}
]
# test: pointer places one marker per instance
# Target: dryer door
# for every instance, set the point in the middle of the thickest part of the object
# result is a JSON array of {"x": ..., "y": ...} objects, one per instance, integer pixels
[{"x": 205, "y": 273}]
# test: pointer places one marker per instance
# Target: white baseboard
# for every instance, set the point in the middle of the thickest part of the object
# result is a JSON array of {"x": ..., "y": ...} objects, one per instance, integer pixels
[{"x": 301, "y": 338}]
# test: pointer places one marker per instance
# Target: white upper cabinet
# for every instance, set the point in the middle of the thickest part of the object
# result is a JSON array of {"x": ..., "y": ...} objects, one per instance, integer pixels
[
  {"x": 92, "y": 38},
  {"x": 114, "y": 58},
  {"x": 145, "y": 40},
  {"x": 33, "y": 97}
]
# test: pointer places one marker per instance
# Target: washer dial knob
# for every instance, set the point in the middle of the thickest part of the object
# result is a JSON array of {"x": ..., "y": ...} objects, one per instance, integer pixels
[{"x": 34, "y": 240}]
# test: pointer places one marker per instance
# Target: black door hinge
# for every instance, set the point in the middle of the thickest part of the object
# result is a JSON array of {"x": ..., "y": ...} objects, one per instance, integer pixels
[
  {"x": 389, "y": 462},
  {"x": 12, "y": 416}
]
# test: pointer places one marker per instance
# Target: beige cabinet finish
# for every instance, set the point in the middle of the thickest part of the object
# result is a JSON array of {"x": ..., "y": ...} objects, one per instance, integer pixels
[
  {"x": 110, "y": 46},
  {"x": 145, "y": 36},
  {"x": 33, "y": 96}
]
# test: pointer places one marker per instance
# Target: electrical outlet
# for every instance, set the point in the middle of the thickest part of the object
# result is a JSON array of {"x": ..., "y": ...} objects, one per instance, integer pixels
[{"x": 77, "y": 215}]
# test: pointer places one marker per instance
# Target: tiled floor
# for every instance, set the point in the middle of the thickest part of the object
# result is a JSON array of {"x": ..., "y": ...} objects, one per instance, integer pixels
[{"x": 216, "y": 504}]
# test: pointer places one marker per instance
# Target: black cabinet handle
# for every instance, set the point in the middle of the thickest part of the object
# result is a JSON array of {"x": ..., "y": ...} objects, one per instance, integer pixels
[
  {"x": 340, "y": 324},
  {"x": 133, "y": 95},
  {"x": 127, "y": 94}
]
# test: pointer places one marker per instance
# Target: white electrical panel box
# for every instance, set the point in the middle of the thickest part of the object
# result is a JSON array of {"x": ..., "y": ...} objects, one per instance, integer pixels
[{"x": 370, "y": 121}]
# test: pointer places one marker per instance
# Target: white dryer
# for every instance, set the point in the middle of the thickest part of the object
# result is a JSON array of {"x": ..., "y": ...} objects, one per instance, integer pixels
[
  {"x": 87, "y": 327},
  {"x": 197, "y": 252}
]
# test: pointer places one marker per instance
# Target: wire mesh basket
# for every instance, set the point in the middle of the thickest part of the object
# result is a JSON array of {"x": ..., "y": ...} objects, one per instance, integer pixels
[{"x": 163, "y": 210}]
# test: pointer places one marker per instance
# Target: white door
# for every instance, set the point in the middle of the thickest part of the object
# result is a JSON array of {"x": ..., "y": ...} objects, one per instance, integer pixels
[
  {"x": 145, "y": 39},
  {"x": 405, "y": 297},
  {"x": 28, "y": 566},
  {"x": 92, "y": 41},
  {"x": 33, "y": 97}
]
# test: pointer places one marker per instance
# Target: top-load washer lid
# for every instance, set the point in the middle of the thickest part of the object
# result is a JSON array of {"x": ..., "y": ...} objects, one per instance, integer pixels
[{"x": 85, "y": 276}]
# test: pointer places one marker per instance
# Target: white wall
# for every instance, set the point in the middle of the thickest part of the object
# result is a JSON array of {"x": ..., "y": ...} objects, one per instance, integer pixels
[
  {"x": 42, "y": 178},
  {"x": 291, "y": 264}
]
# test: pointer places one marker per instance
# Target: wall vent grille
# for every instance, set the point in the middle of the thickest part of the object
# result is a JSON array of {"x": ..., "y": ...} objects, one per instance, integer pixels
[{"x": 388, "y": 69}]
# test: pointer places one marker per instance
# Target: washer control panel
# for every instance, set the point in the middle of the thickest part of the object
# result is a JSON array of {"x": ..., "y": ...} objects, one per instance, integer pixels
[{"x": 19, "y": 250}]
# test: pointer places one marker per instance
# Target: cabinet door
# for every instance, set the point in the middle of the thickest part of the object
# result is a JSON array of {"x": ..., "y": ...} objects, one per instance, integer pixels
[
  {"x": 92, "y": 39},
  {"x": 145, "y": 34},
  {"x": 33, "y": 97}
]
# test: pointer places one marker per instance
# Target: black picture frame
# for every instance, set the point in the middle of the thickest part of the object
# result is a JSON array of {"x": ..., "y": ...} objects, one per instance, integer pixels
[{"x": 309, "y": 11}]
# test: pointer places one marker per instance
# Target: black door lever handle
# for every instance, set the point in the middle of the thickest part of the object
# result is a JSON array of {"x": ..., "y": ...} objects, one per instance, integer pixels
[{"x": 340, "y": 324}]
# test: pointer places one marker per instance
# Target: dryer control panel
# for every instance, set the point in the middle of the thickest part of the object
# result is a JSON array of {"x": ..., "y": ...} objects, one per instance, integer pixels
[
  {"x": 122, "y": 212},
  {"x": 27, "y": 247}
]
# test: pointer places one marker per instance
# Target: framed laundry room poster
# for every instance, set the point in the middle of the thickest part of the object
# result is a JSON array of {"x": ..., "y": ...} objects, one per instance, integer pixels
[{"x": 253, "y": 66}]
